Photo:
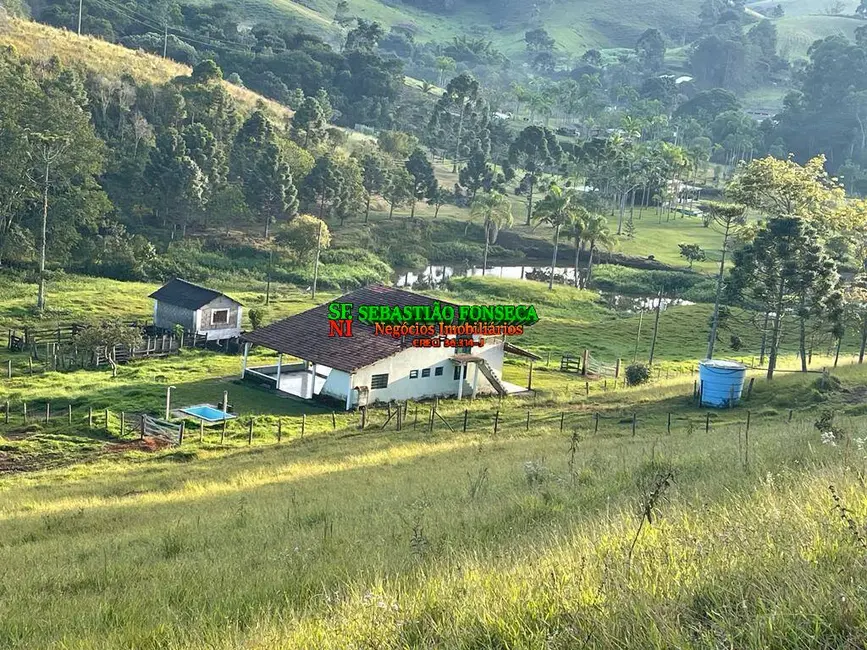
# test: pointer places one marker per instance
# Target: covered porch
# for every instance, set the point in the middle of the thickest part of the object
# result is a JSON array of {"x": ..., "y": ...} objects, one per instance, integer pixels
[{"x": 301, "y": 379}]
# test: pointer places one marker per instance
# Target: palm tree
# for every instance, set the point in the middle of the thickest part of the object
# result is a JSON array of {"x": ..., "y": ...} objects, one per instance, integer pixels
[
  {"x": 559, "y": 208},
  {"x": 495, "y": 209},
  {"x": 579, "y": 225},
  {"x": 597, "y": 233}
]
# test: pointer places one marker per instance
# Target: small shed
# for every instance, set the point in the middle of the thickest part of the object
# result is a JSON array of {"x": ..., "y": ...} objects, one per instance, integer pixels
[{"x": 199, "y": 310}]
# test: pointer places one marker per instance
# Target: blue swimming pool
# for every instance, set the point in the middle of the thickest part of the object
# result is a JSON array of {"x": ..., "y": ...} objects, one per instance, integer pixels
[{"x": 207, "y": 413}]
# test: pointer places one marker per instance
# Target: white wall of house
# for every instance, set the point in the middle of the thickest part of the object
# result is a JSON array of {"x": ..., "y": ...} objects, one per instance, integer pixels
[{"x": 398, "y": 367}]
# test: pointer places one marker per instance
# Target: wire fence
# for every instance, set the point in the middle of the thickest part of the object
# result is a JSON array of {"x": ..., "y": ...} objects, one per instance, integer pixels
[{"x": 419, "y": 417}]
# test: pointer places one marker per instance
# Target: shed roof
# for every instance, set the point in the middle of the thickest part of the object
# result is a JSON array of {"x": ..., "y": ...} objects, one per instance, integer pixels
[
  {"x": 305, "y": 335},
  {"x": 187, "y": 295}
]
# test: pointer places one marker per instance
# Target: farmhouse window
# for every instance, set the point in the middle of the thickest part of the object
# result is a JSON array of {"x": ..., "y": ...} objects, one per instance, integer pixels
[
  {"x": 458, "y": 372},
  {"x": 413, "y": 374},
  {"x": 438, "y": 371},
  {"x": 425, "y": 372},
  {"x": 220, "y": 317},
  {"x": 379, "y": 381}
]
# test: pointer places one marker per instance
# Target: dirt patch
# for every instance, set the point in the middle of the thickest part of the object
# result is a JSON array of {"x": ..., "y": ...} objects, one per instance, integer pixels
[{"x": 147, "y": 444}]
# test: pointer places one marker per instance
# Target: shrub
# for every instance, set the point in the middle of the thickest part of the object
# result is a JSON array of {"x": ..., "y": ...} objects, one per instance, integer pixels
[
  {"x": 256, "y": 317},
  {"x": 637, "y": 374}
]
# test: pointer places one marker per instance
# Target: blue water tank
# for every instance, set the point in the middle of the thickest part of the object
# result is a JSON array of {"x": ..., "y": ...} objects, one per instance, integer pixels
[{"x": 721, "y": 382}]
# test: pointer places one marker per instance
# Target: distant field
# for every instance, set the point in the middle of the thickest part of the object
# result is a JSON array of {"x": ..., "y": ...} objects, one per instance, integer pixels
[
  {"x": 798, "y": 33},
  {"x": 575, "y": 24},
  {"x": 805, "y": 7}
]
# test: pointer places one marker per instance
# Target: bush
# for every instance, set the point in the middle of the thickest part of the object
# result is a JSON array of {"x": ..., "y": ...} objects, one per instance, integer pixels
[
  {"x": 637, "y": 374},
  {"x": 257, "y": 316}
]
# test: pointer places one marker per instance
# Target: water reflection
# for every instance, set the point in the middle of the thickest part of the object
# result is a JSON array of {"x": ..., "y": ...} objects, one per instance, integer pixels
[{"x": 433, "y": 276}]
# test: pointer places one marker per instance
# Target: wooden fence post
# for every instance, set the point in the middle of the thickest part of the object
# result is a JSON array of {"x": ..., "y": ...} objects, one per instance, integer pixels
[
  {"x": 333, "y": 421},
  {"x": 250, "y": 432},
  {"x": 223, "y": 432},
  {"x": 89, "y": 417},
  {"x": 279, "y": 429},
  {"x": 399, "y": 417},
  {"x": 181, "y": 433},
  {"x": 634, "y": 422},
  {"x": 6, "y": 413},
  {"x": 143, "y": 425},
  {"x": 123, "y": 422},
  {"x": 303, "y": 423},
  {"x": 750, "y": 389},
  {"x": 668, "y": 429},
  {"x": 30, "y": 365},
  {"x": 9, "y": 369},
  {"x": 562, "y": 419},
  {"x": 584, "y": 361},
  {"x": 707, "y": 423},
  {"x": 25, "y": 412},
  {"x": 528, "y": 419},
  {"x": 201, "y": 430},
  {"x": 587, "y": 388},
  {"x": 107, "y": 414},
  {"x": 596, "y": 424},
  {"x": 748, "y": 421},
  {"x": 69, "y": 414},
  {"x": 791, "y": 413},
  {"x": 496, "y": 421},
  {"x": 466, "y": 415}
]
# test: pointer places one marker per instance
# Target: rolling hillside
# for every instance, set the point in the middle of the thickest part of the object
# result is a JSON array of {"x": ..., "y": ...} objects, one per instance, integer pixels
[
  {"x": 575, "y": 24},
  {"x": 35, "y": 40}
]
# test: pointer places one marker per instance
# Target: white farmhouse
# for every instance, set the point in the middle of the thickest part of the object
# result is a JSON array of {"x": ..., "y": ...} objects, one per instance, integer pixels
[
  {"x": 368, "y": 368},
  {"x": 198, "y": 310}
]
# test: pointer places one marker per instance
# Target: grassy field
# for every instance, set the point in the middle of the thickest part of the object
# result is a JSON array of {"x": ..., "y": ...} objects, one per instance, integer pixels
[
  {"x": 575, "y": 25},
  {"x": 527, "y": 539},
  {"x": 797, "y": 33}
]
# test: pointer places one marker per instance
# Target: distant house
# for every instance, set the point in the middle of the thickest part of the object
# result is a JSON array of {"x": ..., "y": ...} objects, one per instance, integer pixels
[
  {"x": 367, "y": 368},
  {"x": 197, "y": 309}
]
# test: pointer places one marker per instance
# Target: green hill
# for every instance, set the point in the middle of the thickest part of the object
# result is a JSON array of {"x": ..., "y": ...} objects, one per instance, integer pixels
[
  {"x": 575, "y": 24},
  {"x": 798, "y": 33}
]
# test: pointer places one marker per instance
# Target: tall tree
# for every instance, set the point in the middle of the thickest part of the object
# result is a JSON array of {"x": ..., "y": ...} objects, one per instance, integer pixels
[
  {"x": 560, "y": 208},
  {"x": 461, "y": 95},
  {"x": 477, "y": 173},
  {"x": 495, "y": 211},
  {"x": 398, "y": 191},
  {"x": 308, "y": 123},
  {"x": 424, "y": 183},
  {"x": 63, "y": 151},
  {"x": 784, "y": 270},
  {"x": 651, "y": 50},
  {"x": 728, "y": 218},
  {"x": 374, "y": 177},
  {"x": 596, "y": 234},
  {"x": 784, "y": 188},
  {"x": 535, "y": 149}
]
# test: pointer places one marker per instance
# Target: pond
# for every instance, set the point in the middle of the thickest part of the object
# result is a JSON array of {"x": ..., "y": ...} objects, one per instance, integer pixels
[{"x": 435, "y": 275}]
